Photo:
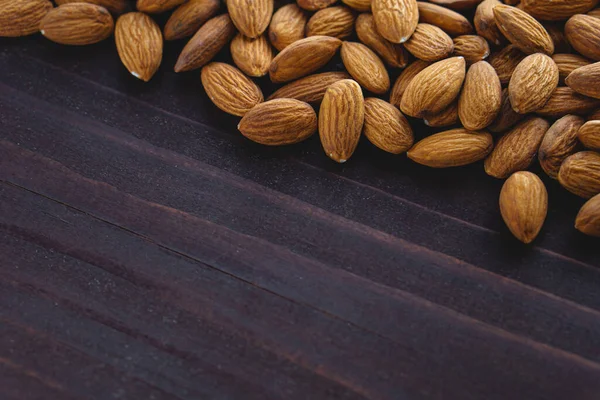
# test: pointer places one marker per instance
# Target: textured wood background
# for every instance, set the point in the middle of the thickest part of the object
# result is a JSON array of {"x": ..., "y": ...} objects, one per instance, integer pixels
[{"x": 149, "y": 251}]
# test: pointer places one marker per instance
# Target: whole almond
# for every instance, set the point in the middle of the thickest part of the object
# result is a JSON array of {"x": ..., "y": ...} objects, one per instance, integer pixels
[
  {"x": 522, "y": 30},
  {"x": 206, "y": 43},
  {"x": 229, "y": 89},
  {"x": 580, "y": 174},
  {"x": 314, "y": 5},
  {"x": 404, "y": 79},
  {"x": 447, "y": 117},
  {"x": 365, "y": 67},
  {"x": 481, "y": 97},
  {"x": 139, "y": 44},
  {"x": 77, "y": 24},
  {"x": 559, "y": 143},
  {"x": 565, "y": 101},
  {"x": 589, "y": 135},
  {"x": 396, "y": 20},
  {"x": 457, "y": 4},
  {"x": 588, "y": 218},
  {"x": 114, "y": 6},
  {"x": 524, "y": 205},
  {"x": 556, "y": 10},
  {"x": 253, "y": 56},
  {"x": 157, "y": 6},
  {"x": 386, "y": 127},
  {"x": 507, "y": 117},
  {"x": 287, "y": 26},
  {"x": 341, "y": 119},
  {"x": 22, "y": 17},
  {"x": 505, "y": 61},
  {"x": 451, "y": 22},
  {"x": 392, "y": 54},
  {"x": 586, "y": 80},
  {"x": 532, "y": 83},
  {"x": 473, "y": 48},
  {"x": 485, "y": 23},
  {"x": 434, "y": 88},
  {"x": 583, "y": 32},
  {"x": 556, "y": 32},
  {"x": 568, "y": 63},
  {"x": 250, "y": 17},
  {"x": 303, "y": 57},
  {"x": 310, "y": 89},
  {"x": 333, "y": 21},
  {"x": 358, "y": 5},
  {"x": 452, "y": 148},
  {"x": 189, "y": 17},
  {"x": 429, "y": 43},
  {"x": 516, "y": 150},
  {"x": 279, "y": 122}
]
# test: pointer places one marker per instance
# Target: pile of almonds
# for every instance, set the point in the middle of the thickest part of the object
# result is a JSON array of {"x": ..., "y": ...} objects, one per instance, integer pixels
[{"x": 512, "y": 79}]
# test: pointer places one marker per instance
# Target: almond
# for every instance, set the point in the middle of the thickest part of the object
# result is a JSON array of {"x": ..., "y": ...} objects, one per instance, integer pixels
[
  {"x": 588, "y": 218},
  {"x": 341, "y": 119},
  {"x": 565, "y": 101},
  {"x": 447, "y": 117},
  {"x": 365, "y": 67},
  {"x": 429, "y": 43},
  {"x": 505, "y": 61},
  {"x": 77, "y": 24},
  {"x": 303, "y": 57},
  {"x": 452, "y": 148},
  {"x": 507, "y": 117},
  {"x": 139, "y": 44},
  {"x": 22, "y": 17},
  {"x": 206, "y": 43},
  {"x": 481, "y": 98},
  {"x": 516, "y": 150},
  {"x": 583, "y": 32},
  {"x": 287, "y": 26},
  {"x": 532, "y": 83},
  {"x": 559, "y": 143},
  {"x": 358, "y": 5},
  {"x": 485, "y": 23},
  {"x": 580, "y": 174},
  {"x": 524, "y": 205},
  {"x": 253, "y": 56},
  {"x": 386, "y": 127},
  {"x": 333, "y": 21},
  {"x": 586, "y": 80},
  {"x": 114, "y": 6},
  {"x": 314, "y": 5},
  {"x": 472, "y": 47},
  {"x": 589, "y": 135},
  {"x": 310, "y": 89},
  {"x": 449, "y": 21},
  {"x": 434, "y": 88},
  {"x": 522, "y": 30},
  {"x": 404, "y": 79},
  {"x": 250, "y": 17},
  {"x": 556, "y": 10},
  {"x": 279, "y": 122},
  {"x": 392, "y": 54},
  {"x": 568, "y": 63},
  {"x": 157, "y": 6},
  {"x": 189, "y": 17},
  {"x": 229, "y": 89},
  {"x": 396, "y": 20}
]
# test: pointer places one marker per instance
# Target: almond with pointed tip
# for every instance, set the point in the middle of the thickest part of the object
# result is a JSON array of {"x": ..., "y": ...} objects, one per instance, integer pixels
[
  {"x": 585, "y": 80},
  {"x": 481, "y": 97},
  {"x": 485, "y": 23},
  {"x": 404, "y": 79},
  {"x": 505, "y": 61},
  {"x": 77, "y": 24},
  {"x": 386, "y": 127},
  {"x": 250, "y": 17},
  {"x": 157, "y": 6},
  {"x": 451, "y": 22},
  {"x": 447, "y": 117},
  {"x": 365, "y": 67},
  {"x": 583, "y": 32},
  {"x": 396, "y": 20},
  {"x": 532, "y": 83},
  {"x": 22, "y": 17},
  {"x": 287, "y": 26},
  {"x": 568, "y": 63},
  {"x": 392, "y": 54},
  {"x": 189, "y": 17},
  {"x": 310, "y": 89},
  {"x": 588, "y": 218},
  {"x": 333, "y": 21},
  {"x": 565, "y": 101},
  {"x": 253, "y": 56},
  {"x": 429, "y": 43},
  {"x": 507, "y": 117},
  {"x": 557, "y": 10},
  {"x": 139, "y": 44},
  {"x": 589, "y": 135},
  {"x": 580, "y": 174},
  {"x": 522, "y": 30},
  {"x": 114, "y": 6},
  {"x": 560, "y": 141},
  {"x": 473, "y": 48}
]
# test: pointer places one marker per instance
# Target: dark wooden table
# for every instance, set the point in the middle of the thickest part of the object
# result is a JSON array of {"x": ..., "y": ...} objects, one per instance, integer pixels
[{"x": 149, "y": 251}]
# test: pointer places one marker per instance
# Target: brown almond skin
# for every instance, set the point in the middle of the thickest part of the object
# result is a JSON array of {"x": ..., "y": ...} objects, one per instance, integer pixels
[
  {"x": 447, "y": 117},
  {"x": 310, "y": 89},
  {"x": 434, "y": 88},
  {"x": 77, "y": 24},
  {"x": 473, "y": 48},
  {"x": 481, "y": 97},
  {"x": 341, "y": 119},
  {"x": 157, "y": 6},
  {"x": 206, "y": 43},
  {"x": 583, "y": 32},
  {"x": 451, "y": 22},
  {"x": 429, "y": 43},
  {"x": 302, "y": 58},
  {"x": 250, "y": 17},
  {"x": 589, "y": 135},
  {"x": 588, "y": 218},
  {"x": 404, "y": 79},
  {"x": 524, "y": 205},
  {"x": 314, "y": 5},
  {"x": 452, "y": 148},
  {"x": 139, "y": 44},
  {"x": 505, "y": 61},
  {"x": 386, "y": 127},
  {"x": 392, "y": 54},
  {"x": 358, "y": 5},
  {"x": 22, "y": 17},
  {"x": 189, "y": 17},
  {"x": 516, "y": 150},
  {"x": 594, "y": 13},
  {"x": 532, "y": 83},
  {"x": 114, "y": 6},
  {"x": 279, "y": 122},
  {"x": 565, "y": 101},
  {"x": 229, "y": 89},
  {"x": 507, "y": 117},
  {"x": 485, "y": 23},
  {"x": 333, "y": 21},
  {"x": 253, "y": 56},
  {"x": 287, "y": 26},
  {"x": 365, "y": 67},
  {"x": 580, "y": 174},
  {"x": 560, "y": 141},
  {"x": 585, "y": 80},
  {"x": 396, "y": 20},
  {"x": 522, "y": 30},
  {"x": 556, "y": 10},
  {"x": 568, "y": 63}
]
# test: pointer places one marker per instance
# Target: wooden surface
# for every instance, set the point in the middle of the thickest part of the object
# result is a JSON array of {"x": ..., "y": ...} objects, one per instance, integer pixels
[{"x": 149, "y": 251}]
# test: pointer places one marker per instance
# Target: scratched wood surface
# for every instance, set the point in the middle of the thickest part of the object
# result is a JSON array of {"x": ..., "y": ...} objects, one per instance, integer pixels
[{"x": 149, "y": 251}]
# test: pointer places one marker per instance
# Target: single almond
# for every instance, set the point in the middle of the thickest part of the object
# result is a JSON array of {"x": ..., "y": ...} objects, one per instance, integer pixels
[
  {"x": 157, "y": 6},
  {"x": 189, "y": 17},
  {"x": 588, "y": 218},
  {"x": 287, "y": 26},
  {"x": 473, "y": 48},
  {"x": 139, "y": 44},
  {"x": 314, "y": 5},
  {"x": 392, "y": 54},
  {"x": 250, "y": 17},
  {"x": 279, "y": 122},
  {"x": 560, "y": 141},
  {"x": 253, "y": 56},
  {"x": 341, "y": 119},
  {"x": 568, "y": 63},
  {"x": 386, "y": 127},
  {"x": 586, "y": 80},
  {"x": 532, "y": 83},
  {"x": 310, "y": 89},
  {"x": 404, "y": 79},
  {"x": 583, "y": 32},
  {"x": 333, "y": 21},
  {"x": 229, "y": 89},
  {"x": 516, "y": 150},
  {"x": 580, "y": 174},
  {"x": 447, "y": 117},
  {"x": 396, "y": 20},
  {"x": 505, "y": 61},
  {"x": 565, "y": 101},
  {"x": 77, "y": 24},
  {"x": 358, "y": 5},
  {"x": 522, "y": 30},
  {"x": 114, "y": 6},
  {"x": 556, "y": 10},
  {"x": 22, "y": 17},
  {"x": 481, "y": 97},
  {"x": 485, "y": 23},
  {"x": 451, "y": 22},
  {"x": 524, "y": 205},
  {"x": 429, "y": 43},
  {"x": 365, "y": 67},
  {"x": 507, "y": 117},
  {"x": 589, "y": 135}
]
